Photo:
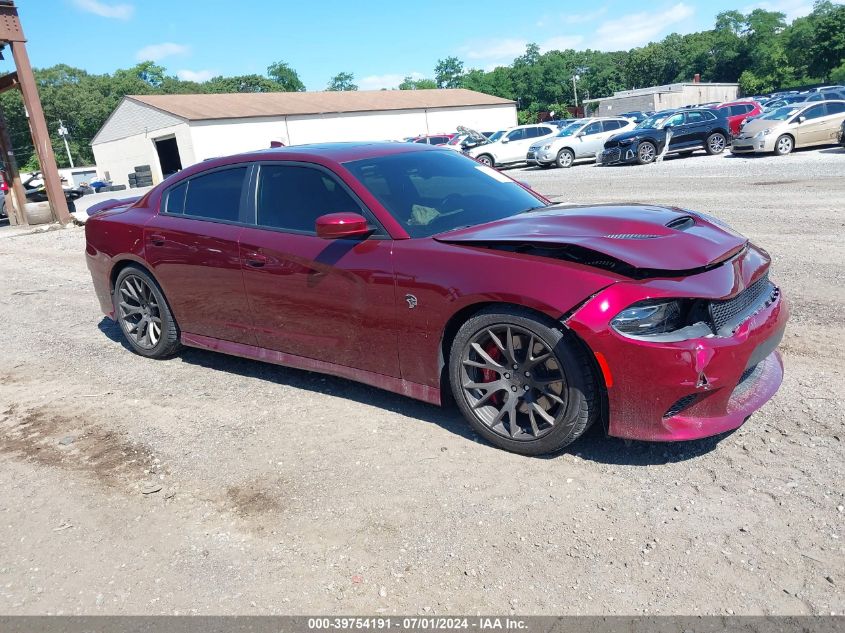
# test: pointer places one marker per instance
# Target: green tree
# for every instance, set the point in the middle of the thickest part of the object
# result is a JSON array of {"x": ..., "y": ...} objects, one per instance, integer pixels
[
  {"x": 242, "y": 83},
  {"x": 448, "y": 72},
  {"x": 409, "y": 83},
  {"x": 285, "y": 77},
  {"x": 341, "y": 81},
  {"x": 828, "y": 49}
]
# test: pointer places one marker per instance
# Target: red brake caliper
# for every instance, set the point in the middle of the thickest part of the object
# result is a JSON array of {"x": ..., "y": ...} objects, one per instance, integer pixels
[{"x": 491, "y": 376}]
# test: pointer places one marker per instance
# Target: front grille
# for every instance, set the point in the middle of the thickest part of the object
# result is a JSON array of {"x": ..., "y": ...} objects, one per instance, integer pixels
[
  {"x": 530, "y": 155},
  {"x": 611, "y": 155},
  {"x": 743, "y": 305},
  {"x": 683, "y": 403}
]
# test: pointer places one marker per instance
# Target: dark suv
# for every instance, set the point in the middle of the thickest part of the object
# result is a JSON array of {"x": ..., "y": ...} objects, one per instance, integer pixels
[{"x": 687, "y": 130}]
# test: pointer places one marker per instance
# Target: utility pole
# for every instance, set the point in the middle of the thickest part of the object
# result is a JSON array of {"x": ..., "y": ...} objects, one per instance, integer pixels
[
  {"x": 63, "y": 134},
  {"x": 575, "y": 90}
]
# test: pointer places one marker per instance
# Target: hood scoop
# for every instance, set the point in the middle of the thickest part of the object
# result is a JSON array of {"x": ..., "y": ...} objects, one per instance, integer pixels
[
  {"x": 632, "y": 240},
  {"x": 681, "y": 224}
]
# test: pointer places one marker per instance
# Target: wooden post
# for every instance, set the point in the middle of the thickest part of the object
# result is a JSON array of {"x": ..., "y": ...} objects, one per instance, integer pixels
[
  {"x": 40, "y": 134},
  {"x": 13, "y": 178}
]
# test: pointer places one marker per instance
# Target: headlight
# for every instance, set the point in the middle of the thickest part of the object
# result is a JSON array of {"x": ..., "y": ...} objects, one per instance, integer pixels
[
  {"x": 763, "y": 133},
  {"x": 627, "y": 141},
  {"x": 547, "y": 147},
  {"x": 648, "y": 318}
]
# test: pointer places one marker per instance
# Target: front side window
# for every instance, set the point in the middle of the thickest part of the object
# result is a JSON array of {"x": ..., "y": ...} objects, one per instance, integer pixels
[
  {"x": 212, "y": 196},
  {"x": 437, "y": 191},
  {"x": 815, "y": 112},
  {"x": 292, "y": 197},
  {"x": 516, "y": 135},
  {"x": 592, "y": 128}
]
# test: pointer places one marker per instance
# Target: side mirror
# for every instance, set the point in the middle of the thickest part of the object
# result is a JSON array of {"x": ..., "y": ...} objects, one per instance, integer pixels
[
  {"x": 802, "y": 118},
  {"x": 505, "y": 139},
  {"x": 333, "y": 226},
  {"x": 580, "y": 134}
]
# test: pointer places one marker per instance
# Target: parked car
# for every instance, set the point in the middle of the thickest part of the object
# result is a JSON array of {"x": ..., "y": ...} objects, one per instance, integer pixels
[
  {"x": 690, "y": 130},
  {"x": 841, "y": 137},
  {"x": 512, "y": 147},
  {"x": 739, "y": 111},
  {"x": 417, "y": 270},
  {"x": 576, "y": 142},
  {"x": 636, "y": 115},
  {"x": 782, "y": 101},
  {"x": 798, "y": 125},
  {"x": 467, "y": 138},
  {"x": 827, "y": 95},
  {"x": 433, "y": 139}
]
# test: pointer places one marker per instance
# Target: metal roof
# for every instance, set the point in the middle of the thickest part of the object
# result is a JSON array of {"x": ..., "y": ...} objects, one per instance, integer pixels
[{"x": 199, "y": 107}]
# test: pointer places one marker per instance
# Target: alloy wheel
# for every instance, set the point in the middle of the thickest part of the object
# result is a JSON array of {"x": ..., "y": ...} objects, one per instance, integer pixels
[
  {"x": 513, "y": 382},
  {"x": 647, "y": 152},
  {"x": 717, "y": 143},
  {"x": 484, "y": 159},
  {"x": 138, "y": 312},
  {"x": 564, "y": 158},
  {"x": 784, "y": 145}
]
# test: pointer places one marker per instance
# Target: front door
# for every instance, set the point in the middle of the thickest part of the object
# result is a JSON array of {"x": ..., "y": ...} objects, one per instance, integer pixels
[
  {"x": 192, "y": 247},
  {"x": 590, "y": 140},
  {"x": 812, "y": 130},
  {"x": 331, "y": 300}
]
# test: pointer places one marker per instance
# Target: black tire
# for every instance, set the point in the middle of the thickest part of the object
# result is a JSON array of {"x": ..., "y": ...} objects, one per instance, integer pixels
[
  {"x": 715, "y": 143},
  {"x": 143, "y": 169},
  {"x": 167, "y": 343},
  {"x": 577, "y": 396},
  {"x": 565, "y": 158},
  {"x": 784, "y": 145},
  {"x": 646, "y": 153},
  {"x": 71, "y": 206},
  {"x": 486, "y": 159}
]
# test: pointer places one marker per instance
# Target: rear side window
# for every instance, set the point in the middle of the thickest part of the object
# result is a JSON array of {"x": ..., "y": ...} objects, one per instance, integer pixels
[
  {"x": 834, "y": 107},
  {"x": 175, "y": 202},
  {"x": 611, "y": 125},
  {"x": 543, "y": 131},
  {"x": 292, "y": 197},
  {"x": 213, "y": 196}
]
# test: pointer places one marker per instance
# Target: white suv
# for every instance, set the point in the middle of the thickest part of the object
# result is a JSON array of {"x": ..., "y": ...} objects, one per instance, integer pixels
[
  {"x": 512, "y": 146},
  {"x": 574, "y": 142}
]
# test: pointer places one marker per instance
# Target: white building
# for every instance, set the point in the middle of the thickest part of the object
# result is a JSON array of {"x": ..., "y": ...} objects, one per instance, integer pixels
[
  {"x": 663, "y": 97},
  {"x": 169, "y": 132}
]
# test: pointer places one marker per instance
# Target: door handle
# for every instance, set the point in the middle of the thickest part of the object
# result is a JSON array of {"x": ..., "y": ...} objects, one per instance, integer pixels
[
  {"x": 156, "y": 239},
  {"x": 255, "y": 260}
]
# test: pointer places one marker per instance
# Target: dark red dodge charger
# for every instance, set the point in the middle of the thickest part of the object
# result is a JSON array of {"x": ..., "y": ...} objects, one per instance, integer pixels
[{"x": 418, "y": 270}]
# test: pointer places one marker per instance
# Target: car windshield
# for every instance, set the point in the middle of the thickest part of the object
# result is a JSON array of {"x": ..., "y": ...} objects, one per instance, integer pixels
[
  {"x": 781, "y": 114},
  {"x": 496, "y": 136},
  {"x": 437, "y": 191},
  {"x": 656, "y": 121}
]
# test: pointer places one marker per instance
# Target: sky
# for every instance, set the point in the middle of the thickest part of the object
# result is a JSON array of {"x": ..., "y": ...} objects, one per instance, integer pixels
[{"x": 379, "y": 41}]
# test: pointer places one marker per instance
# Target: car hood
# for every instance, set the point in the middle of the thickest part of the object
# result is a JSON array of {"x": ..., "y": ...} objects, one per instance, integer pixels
[
  {"x": 752, "y": 126},
  {"x": 636, "y": 133},
  {"x": 635, "y": 240}
]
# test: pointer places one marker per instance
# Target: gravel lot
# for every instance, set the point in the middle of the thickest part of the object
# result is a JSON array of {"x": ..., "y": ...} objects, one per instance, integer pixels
[{"x": 283, "y": 491}]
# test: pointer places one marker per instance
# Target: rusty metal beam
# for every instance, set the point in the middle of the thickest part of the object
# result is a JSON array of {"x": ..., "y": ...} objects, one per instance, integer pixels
[{"x": 40, "y": 134}]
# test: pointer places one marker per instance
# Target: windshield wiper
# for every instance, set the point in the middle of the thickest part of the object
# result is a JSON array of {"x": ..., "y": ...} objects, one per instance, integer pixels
[{"x": 537, "y": 208}]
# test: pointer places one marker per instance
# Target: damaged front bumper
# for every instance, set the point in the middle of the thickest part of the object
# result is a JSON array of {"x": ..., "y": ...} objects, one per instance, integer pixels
[{"x": 684, "y": 390}]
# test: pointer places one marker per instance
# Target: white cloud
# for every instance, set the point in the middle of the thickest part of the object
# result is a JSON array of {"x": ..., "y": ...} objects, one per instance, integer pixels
[
  {"x": 195, "y": 75},
  {"x": 377, "y": 82},
  {"x": 106, "y": 10},
  {"x": 637, "y": 29},
  {"x": 156, "y": 52},
  {"x": 580, "y": 18},
  {"x": 561, "y": 43},
  {"x": 503, "y": 49},
  {"x": 791, "y": 8}
]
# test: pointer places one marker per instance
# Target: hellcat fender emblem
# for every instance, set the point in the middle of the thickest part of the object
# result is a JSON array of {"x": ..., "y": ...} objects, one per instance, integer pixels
[{"x": 412, "y": 301}]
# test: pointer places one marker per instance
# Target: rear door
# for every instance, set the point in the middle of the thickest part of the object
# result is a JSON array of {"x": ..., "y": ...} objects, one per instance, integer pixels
[
  {"x": 192, "y": 246},
  {"x": 330, "y": 300},
  {"x": 589, "y": 140},
  {"x": 833, "y": 120},
  {"x": 695, "y": 129},
  {"x": 813, "y": 131}
]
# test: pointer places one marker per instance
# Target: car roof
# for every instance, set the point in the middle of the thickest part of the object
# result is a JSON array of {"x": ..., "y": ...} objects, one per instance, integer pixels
[{"x": 339, "y": 152}]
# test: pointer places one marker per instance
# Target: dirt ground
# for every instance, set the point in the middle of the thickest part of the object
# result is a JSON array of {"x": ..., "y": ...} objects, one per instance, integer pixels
[{"x": 283, "y": 491}]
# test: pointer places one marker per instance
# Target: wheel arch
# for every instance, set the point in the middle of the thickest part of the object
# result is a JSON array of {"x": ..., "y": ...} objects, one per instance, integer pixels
[
  {"x": 126, "y": 263},
  {"x": 461, "y": 316}
]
